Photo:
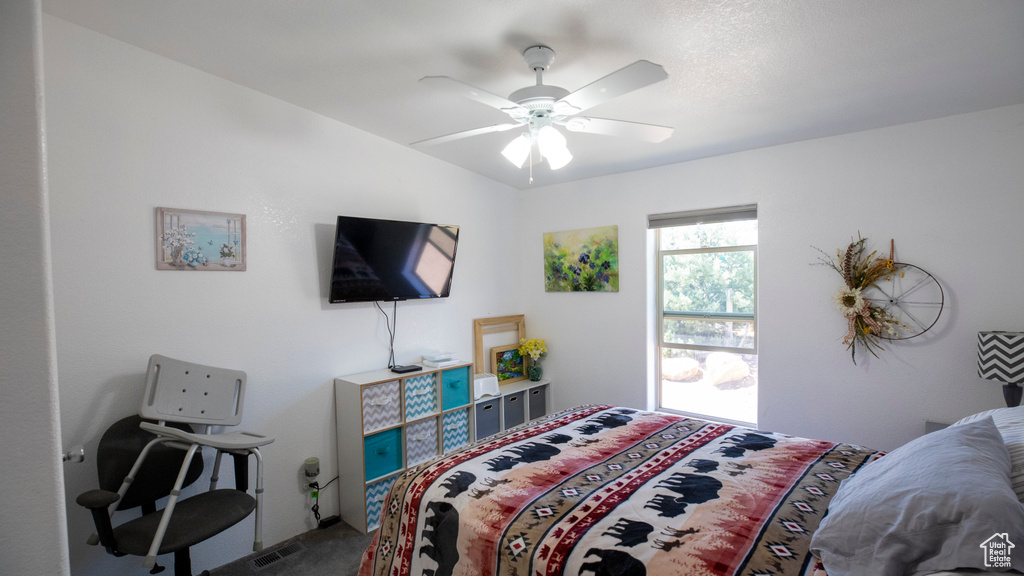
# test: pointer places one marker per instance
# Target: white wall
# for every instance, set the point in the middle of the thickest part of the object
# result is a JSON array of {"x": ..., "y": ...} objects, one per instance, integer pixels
[
  {"x": 949, "y": 191},
  {"x": 130, "y": 131},
  {"x": 32, "y": 523}
]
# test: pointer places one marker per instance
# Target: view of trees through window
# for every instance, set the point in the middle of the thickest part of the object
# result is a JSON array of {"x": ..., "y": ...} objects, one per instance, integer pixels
[{"x": 708, "y": 322}]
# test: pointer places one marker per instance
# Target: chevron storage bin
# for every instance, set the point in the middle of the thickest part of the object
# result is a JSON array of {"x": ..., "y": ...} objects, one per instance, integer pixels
[
  {"x": 421, "y": 441},
  {"x": 456, "y": 430},
  {"x": 381, "y": 406},
  {"x": 420, "y": 396},
  {"x": 389, "y": 422},
  {"x": 376, "y": 494}
]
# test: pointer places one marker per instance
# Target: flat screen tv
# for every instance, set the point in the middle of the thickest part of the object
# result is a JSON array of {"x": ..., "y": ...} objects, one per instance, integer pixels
[{"x": 378, "y": 260}]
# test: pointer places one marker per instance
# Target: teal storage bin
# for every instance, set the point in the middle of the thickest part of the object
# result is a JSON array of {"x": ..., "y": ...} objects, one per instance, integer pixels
[
  {"x": 382, "y": 453},
  {"x": 454, "y": 388}
]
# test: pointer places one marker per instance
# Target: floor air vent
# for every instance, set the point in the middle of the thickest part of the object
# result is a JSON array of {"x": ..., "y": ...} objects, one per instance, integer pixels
[{"x": 263, "y": 560}]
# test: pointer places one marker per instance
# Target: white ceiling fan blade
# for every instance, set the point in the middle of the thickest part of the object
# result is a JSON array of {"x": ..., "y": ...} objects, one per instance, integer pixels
[
  {"x": 466, "y": 134},
  {"x": 638, "y": 130},
  {"x": 452, "y": 86},
  {"x": 633, "y": 77}
]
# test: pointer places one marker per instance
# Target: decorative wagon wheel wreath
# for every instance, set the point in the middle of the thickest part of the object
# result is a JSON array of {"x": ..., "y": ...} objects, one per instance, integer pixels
[
  {"x": 912, "y": 296},
  {"x": 882, "y": 299}
]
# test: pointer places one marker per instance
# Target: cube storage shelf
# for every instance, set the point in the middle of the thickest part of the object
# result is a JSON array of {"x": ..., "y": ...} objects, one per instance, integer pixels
[
  {"x": 388, "y": 422},
  {"x": 519, "y": 402}
]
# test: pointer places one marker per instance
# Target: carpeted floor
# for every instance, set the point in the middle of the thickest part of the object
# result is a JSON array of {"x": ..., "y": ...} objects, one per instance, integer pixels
[{"x": 333, "y": 551}]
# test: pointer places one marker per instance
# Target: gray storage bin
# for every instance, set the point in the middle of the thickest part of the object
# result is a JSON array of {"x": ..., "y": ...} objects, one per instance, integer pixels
[
  {"x": 488, "y": 418},
  {"x": 513, "y": 406},
  {"x": 538, "y": 396}
]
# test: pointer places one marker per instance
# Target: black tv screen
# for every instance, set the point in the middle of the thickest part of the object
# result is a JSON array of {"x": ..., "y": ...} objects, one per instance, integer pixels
[{"x": 391, "y": 260}]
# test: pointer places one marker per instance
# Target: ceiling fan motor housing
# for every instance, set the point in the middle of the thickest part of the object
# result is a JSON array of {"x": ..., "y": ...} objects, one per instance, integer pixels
[
  {"x": 539, "y": 57},
  {"x": 540, "y": 96},
  {"x": 539, "y": 99}
]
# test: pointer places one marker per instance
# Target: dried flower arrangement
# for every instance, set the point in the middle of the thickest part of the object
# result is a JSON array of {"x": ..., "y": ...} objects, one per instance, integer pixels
[{"x": 867, "y": 323}]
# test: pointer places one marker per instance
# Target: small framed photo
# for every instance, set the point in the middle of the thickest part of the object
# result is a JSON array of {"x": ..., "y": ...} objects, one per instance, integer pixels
[
  {"x": 509, "y": 365},
  {"x": 199, "y": 240}
]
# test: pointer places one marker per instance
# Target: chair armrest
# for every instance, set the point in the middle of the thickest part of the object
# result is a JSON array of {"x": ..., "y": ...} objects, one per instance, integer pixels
[
  {"x": 97, "y": 499},
  {"x": 97, "y": 502}
]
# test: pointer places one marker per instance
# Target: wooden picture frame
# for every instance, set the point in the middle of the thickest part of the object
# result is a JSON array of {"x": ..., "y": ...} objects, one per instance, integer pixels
[
  {"x": 496, "y": 325},
  {"x": 509, "y": 365},
  {"x": 199, "y": 240}
]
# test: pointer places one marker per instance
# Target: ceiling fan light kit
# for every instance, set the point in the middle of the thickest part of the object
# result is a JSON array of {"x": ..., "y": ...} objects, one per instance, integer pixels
[
  {"x": 552, "y": 146},
  {"x": 541, "y": 107},
  {"x": 518, "y": 149}
]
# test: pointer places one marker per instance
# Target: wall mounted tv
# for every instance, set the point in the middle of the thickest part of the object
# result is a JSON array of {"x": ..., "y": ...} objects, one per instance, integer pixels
[{"x": 378, "y": 260}]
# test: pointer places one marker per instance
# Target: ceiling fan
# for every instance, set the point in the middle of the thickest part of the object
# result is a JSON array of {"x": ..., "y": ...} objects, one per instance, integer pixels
[{"x": 541, "y": 107}]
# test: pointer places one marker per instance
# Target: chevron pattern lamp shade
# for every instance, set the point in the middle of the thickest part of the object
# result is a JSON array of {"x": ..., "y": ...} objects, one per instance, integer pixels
[{"x": 1001, "y": 357}]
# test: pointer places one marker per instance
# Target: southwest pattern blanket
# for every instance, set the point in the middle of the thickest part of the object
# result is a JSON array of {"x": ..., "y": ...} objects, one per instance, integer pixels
[{"x": 606, "y": 490}]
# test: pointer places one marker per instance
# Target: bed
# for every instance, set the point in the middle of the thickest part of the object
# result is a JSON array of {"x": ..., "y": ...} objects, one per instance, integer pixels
[{"x": 604, "y": 490}]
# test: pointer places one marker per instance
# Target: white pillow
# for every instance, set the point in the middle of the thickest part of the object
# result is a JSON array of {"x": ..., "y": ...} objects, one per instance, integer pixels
[{"x": 1010, "y": 422}]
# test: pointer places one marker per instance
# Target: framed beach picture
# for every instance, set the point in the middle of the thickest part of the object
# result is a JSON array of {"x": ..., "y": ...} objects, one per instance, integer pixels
[
  {"x": 199, "y": 240},
  {"x": 585, "y": 260},
  {"x": 509, "y": 364}
]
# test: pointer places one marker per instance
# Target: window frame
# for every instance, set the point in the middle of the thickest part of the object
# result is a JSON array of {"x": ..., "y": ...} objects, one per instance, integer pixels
[
  {"x": 656, "y": 223},
  {"x": 695, "y": 314}
]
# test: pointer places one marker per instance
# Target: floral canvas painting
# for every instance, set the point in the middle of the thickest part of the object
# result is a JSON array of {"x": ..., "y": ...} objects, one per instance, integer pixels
[
  {"x": 198, "y": 240},
  {"x": 584, "y": 260}
]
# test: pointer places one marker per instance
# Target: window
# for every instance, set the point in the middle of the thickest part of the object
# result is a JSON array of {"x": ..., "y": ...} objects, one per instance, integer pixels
[{"x": 707, "y": 313}]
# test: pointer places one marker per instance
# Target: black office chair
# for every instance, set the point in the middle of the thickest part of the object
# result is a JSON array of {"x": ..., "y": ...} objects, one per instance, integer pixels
[{"x": 143, "y": 461}]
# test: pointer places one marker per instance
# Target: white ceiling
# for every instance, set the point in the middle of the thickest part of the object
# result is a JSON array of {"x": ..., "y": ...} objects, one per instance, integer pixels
[{"x": 742, "y": 73}]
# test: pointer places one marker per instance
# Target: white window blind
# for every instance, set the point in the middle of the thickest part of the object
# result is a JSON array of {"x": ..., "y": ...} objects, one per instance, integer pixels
[{"x": 748, "y": 212}]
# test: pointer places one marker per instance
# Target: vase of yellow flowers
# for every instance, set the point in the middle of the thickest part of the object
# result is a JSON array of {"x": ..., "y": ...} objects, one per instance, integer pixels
[{"x": 535, "y": 348}]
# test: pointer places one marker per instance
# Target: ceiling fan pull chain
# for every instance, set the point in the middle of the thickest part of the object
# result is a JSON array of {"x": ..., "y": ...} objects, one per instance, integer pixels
[{"x": 531, "y": 163}]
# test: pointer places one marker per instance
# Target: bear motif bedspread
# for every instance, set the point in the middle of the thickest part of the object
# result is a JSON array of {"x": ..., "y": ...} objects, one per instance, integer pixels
[{"x": 603, "y": 490}]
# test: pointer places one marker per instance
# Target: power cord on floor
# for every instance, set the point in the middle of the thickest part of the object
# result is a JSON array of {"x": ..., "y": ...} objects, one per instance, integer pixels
[{"x": 330, "y": 521}]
